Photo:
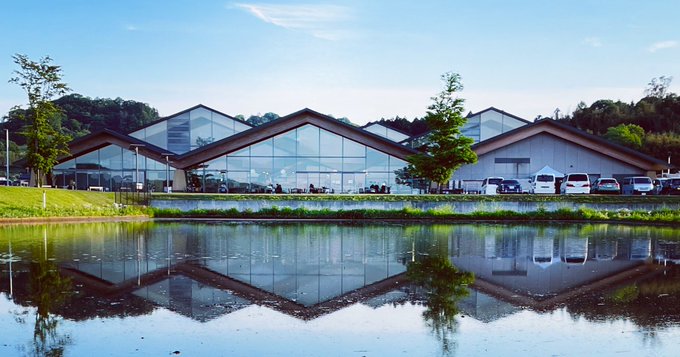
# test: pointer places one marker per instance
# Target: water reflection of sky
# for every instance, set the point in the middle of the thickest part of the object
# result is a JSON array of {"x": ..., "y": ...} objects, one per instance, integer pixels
[{"x": 241, "y": 283}]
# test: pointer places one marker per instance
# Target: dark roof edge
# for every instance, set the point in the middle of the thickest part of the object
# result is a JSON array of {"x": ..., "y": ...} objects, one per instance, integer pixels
[{"x": 500, "y": 111}]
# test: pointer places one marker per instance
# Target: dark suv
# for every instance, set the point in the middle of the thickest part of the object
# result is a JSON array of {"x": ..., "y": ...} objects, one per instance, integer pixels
[
  {"x": 672, "y": 187},
  {"x": 509, "y": 186}
]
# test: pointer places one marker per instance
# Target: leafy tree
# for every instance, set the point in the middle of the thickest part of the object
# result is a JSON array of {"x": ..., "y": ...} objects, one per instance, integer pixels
[
  {"x": 658, "y": 87},
  {"x": 44, "y": 140},
  {"x": 661, "y": 145},
  {"x": 629, "y": 135},
  {"x": 447, "y": 149}
]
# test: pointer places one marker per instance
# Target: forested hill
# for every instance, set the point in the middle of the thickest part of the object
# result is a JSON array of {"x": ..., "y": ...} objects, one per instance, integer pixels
[
  {"x": 83, "y": 115},
  {"x": 652, "y": 125}
]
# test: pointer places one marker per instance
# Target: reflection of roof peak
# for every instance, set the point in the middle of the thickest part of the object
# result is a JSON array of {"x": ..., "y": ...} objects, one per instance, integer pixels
[{"x": 236, "y": 288}]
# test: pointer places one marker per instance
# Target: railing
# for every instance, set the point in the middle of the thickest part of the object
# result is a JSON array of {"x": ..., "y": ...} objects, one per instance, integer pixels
[{"x": 131, "y": 194}]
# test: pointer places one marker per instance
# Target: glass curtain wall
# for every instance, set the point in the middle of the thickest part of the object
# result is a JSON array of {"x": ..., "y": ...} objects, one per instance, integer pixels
[
  {"x": 190, "y": 130},
  {"x": 307, "y": 159},
  {"x": 109, "y": 168}
]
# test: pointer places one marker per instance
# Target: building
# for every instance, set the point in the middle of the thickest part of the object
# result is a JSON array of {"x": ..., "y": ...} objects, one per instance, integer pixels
[
  {"x": 522, "y": 151},
  {"x": 202, "y": 150}
]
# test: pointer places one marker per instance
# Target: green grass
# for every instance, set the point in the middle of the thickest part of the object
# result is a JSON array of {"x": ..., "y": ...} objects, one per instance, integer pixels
[
  {"x": 583, "y": 214},
  {"x": 24, "y": 202},
  {"x": 615, "y": 199}
]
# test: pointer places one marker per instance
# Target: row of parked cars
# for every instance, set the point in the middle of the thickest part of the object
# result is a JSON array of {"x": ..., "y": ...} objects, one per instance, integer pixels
[{"x": 575, "y": 183}]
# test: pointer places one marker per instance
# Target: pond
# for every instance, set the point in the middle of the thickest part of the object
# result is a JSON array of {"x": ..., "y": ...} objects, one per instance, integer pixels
[{"x": 310, "y": 289}]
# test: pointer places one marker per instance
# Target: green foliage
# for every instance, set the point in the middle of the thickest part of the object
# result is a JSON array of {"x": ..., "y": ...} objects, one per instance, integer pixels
[
  {"x": 82, "y": 115},
  {"x": 447, "y": 149},
  {"x": 44, "y": 140},
  {"x": 256, "y": 120},
  {"x": 626, "y": 294},
  {"x": 444, "y": 214},
  {"x": 629, "y": 135}
]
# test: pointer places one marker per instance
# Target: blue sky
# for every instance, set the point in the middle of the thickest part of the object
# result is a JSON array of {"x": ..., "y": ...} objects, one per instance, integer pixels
[{"x": 360, "y": 59}]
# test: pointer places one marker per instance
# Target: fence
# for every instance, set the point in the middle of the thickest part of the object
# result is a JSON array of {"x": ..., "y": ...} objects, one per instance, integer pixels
[{"x": 133, "y": 194}]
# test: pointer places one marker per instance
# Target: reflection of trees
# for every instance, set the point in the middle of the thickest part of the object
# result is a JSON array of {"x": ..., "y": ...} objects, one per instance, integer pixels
[
  {"x": 445, "y": 285},
  {"x": 48, "y": 290}
]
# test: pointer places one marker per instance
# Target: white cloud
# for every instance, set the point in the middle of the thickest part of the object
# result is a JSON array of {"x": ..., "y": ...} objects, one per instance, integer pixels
[
  {"x": 131, "y": 28},
  {"x": 593, "y": 41},
  {"x": 320, "y": 21},
  {"x": 662, "y": 45}
]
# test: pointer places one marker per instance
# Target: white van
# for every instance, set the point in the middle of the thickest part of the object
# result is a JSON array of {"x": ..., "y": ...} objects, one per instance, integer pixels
[
  {"x": 490, "y": 185},
  {"x": 543, "y": 183},
  {"x": 637, "y": 185}
]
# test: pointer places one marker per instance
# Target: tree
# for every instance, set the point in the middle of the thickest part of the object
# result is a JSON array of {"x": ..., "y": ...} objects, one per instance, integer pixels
[
  {"x": 44, "y": 140},
  {"x": 629, "y": 135},
  {"x": 658, "y": 87},
  {"x": 447, "y": 149}
]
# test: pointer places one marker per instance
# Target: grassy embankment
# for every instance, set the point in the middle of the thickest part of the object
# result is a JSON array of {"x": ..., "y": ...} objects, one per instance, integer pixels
[
  {"x": 665, "y": 216},
  {"x": 26, "y": 202}
]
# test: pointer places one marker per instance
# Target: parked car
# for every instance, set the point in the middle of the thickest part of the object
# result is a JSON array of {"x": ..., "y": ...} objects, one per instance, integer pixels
[
  {"x": 606, "y": 185},
  {"x": 660, "y": 185},
  {"x": 575, "y": 183},
  {"x": 672, "y": 187},
  {"x": 490, "y": 185},
  {"x": 509, "y": 186},
  {"x": 637, "y": 185},
  {"x": 543, "y": 184}
]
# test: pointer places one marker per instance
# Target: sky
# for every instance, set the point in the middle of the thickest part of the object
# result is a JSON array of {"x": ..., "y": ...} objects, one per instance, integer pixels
[{"x": 359, "y": 59}]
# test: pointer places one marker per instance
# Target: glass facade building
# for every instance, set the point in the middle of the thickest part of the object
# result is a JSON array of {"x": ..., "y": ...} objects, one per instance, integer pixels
[
  {"x": 109, "y": 168},
  {"x": 298, "y": 160},
  {"x": 190, "y": 130}
]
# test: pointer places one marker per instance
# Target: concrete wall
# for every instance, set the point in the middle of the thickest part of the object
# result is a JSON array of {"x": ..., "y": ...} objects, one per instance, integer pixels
[{"x": 459, "y": 207}]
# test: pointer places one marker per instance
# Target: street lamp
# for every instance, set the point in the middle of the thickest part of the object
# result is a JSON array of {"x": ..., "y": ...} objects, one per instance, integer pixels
[
  {"x": 136, "y": 148},
  {"x": 167, "y": 171}
]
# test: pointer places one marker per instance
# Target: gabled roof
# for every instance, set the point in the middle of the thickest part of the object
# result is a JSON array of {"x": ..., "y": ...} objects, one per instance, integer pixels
[
  {"x": 106, "y": 137},
  {"x": 186, "y": 111},
  {"x": 499, "y": 111},
  {"x": 284, "y": 124},
  {"x": 573, "y": 135}
]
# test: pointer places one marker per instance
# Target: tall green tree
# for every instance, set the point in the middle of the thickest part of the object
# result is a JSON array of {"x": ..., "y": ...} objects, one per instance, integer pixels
[
  {"x": 44, "y": 140},
  {"x": 446, "y": 150}
]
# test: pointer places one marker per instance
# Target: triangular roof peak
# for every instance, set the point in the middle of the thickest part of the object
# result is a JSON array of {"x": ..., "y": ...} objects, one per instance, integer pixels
[
  {"x": 197, "y": 106},
  {"x": 498, "y": 111},
  {"x": 287, "y": 123}
]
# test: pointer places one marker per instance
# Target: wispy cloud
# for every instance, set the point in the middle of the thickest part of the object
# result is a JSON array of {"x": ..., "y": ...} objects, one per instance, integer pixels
[
  {"x": 593, "y": 41},
  {"x": 131, "y": 28},
  {"x": 662, "y": 45},
  {"x": 321, "y": 21}
]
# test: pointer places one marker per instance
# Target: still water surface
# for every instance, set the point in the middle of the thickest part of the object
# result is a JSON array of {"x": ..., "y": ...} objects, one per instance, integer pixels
[{"x": 301, "y": 289}]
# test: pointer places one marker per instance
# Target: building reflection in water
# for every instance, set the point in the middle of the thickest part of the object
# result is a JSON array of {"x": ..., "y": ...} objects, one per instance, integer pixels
[{"x": 206, "y": 270}]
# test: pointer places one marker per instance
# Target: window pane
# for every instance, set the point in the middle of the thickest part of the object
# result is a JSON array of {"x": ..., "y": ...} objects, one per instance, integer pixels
[
  {"x": 308, "y": 164},
  {"x": 88, "y": 161},
  {"x": 263, "y": 148},
  {"x": 222, "y": 126},
  {"x": 237, "y": 182},
  {"x": 242, "y": 152},
  {"x": 354, "y": 164},
  {"x": 219, "y": 163},
  {"x": 238, "y": 163},
  {"x": 284, "y": 144},
  {"x": 330, "y": 164},
  {"x": 352, "y": 148},
  {"x": 376, "y": 160},
  {"x": 331, "y": 144},
  {"x": 308, "y": 141},
  {"x": 157, "y": 135},
  {"x": 111, "y": 157}
]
